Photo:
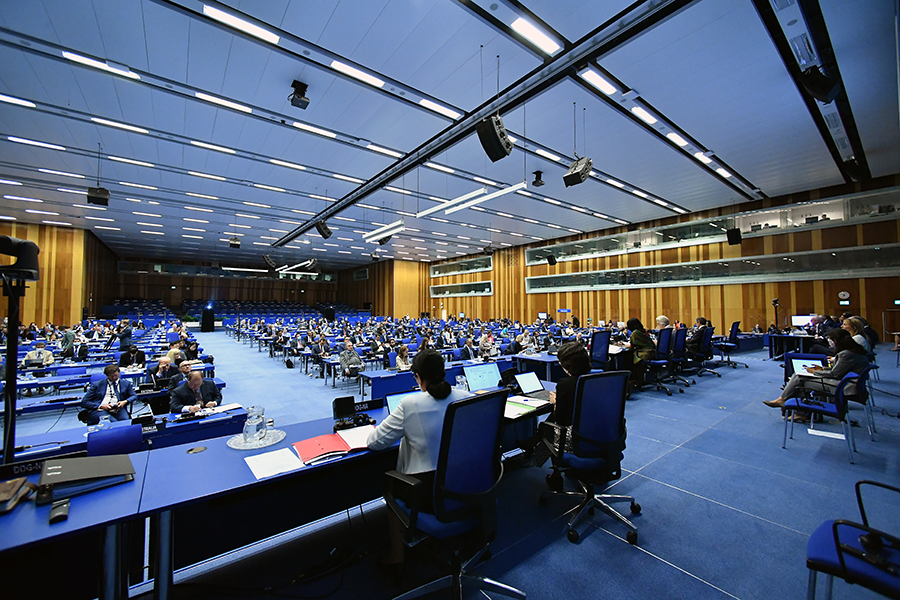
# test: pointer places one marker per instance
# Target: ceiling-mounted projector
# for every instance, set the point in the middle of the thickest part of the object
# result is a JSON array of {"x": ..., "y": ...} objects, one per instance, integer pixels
[
  {"x": 538, "y": 182},
  {"x": 374, "y": 256},
  {"x": 98, "y": 196},
  {"x": 234, "y": 242},
  {"x": 298, "y": 98},
  {"x": 488, "y": 250},
  {"x": 578, "y": 172}
]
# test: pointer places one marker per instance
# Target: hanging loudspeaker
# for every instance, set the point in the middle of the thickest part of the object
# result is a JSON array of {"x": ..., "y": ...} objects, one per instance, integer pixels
[
  {"x": 734, "y": 236},
  {"x": 323, "y": 230},
  {"x": 493, "y": 138}
]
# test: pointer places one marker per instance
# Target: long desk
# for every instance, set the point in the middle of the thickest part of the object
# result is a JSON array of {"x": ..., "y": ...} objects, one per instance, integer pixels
[
  {"x": 390, "y": 382},
  {"x": 781, "y": 344}
]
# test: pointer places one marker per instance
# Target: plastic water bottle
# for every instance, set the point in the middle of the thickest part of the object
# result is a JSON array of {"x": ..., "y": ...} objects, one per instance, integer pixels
[
  {"x": 462, "y": 383},
  {"x": 104, "y": 422},
  {"x": 255, "y": 425}
]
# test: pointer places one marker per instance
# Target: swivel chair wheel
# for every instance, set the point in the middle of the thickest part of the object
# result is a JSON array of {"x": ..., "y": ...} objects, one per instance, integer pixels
[
  {"x": 694, "y": 381},
  {"x": 572, "y": 535},
  {"x": 680, "y": 391},
  {"x": 668, "y": 393},
  {"x": 635, "y": 508},
  {"x": 542, "y": 500},
  {"x": 719, "y": 375},
  {"x": 631, "y": 537},
  {"x": 555, "y": 481},
  {"x": 746, "y": 366}
]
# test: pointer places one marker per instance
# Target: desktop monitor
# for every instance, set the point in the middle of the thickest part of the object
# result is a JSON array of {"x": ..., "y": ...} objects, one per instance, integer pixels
[
  {"x": 800, "y": 320},
  {"x": 393, "y": 400},
  {"x": 542, "y": 316},
  {"x": 481, "y": 377}
]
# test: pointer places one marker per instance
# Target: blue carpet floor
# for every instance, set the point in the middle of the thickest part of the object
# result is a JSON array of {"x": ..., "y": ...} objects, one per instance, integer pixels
[{"x": 726, "y": 511}]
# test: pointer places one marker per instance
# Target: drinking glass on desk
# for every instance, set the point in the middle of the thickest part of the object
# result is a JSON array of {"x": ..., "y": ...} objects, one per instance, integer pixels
[{"x": 255, "y": 425}]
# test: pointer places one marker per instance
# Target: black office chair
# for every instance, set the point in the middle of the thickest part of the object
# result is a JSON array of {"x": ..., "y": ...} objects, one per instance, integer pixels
[
  {"x": 595, "y": 453},
  {"x": 676, "y": 358},
  {"x": 600, "y": 348},
  {"x": 729, "y": 345},
  {"x": 659, "y": 365},
  {"x": 695, "y": 362},
  {"x": 468, "y": 470}
]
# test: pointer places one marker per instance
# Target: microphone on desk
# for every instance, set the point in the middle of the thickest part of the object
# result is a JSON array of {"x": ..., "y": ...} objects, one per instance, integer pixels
[{"x": 29, "y": 446}]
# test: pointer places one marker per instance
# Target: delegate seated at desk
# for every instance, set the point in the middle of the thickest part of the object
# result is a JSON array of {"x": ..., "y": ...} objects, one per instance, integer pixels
[
  {"x": 468, "y": 352},
  {"x": 108, "y": 396},
  {"x": 183, "y": 370},
  {"x": 39, "y": 353},
  {"x": 78, "y": 350},
  {"x": 196, "y": 394},
  {"x": 164, "y": 370},
  {"x": 350, "y": 359},
  {"x": 417, "y": 422},
  {"x": 132, "y": 358}
]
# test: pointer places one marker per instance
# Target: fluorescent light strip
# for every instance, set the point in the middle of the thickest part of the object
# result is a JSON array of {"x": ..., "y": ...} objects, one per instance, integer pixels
[
  {"x": 245, "y": 269},
  {"x": 124, "y": 126},
  {"x": 490, "y": 196},
  {"x": 302, "y": 212},
  {"x": 261, "y": 244},
  {"x": 315, "y": 130},
  {"x": 196, "y": 220},
  {"x": 246, "y": 216},
  {"x": 398, "y": 190},
  {"x": 41, "y": 212},
  {"x": 100, "y": 219},
  {"x": 223, "y": 102},
  {"x": 198, "y": 209},
  {"x": 90, "y": 206},
  {"x": 138, "y": 185},
  {"x": 395, "y": 227},
  {"x": 206, "y": 175},
  {"x": 107, "y": 228},
  {"x": 598, "y": 81},
  {"x": 62, "y": 173},
  {"x": 205, "y": 196},
  {"x": 318, "y": 197},
  {"x": 434, "y": 106},
  {"x": 57, "y": 223},
  {"x": 149, "y": 224},
  {"x": 438, "y": 167},
  {"x": 346, "y": 178},
  {"x": 11, "y": 182},
  {"x": 240, "y": 24},
  {"x": 357, "y": 74},
  {"x": 196, "y": 237},
  {"x": 547, "y": 155},
  {"x": 239, "y": 225},
  {"x": 639, "y": 194},
  {"x": 271, "y": 188},
  {"x": 535, "y": 35},
  {"x": 22, "y": 199},
  {"x": 552, "y": 201},
  {"x": 643, "y": 115},
  {"x": 723, "y": 172},
  {"x": 257, "y": 204},
  {"x": 194, "y": 229},
  {"x": 485, "y": 181},
  {"x": 212, "y": 147},
  {"x": 19, "y": 140},
  {"x": 676, "y": 139},
  {"x": 615, "y": 183},
  {"x": 90, "y": 62},
  {"x": 139, "y": 163},
  {"x": 702, "y": 158},
  {"x": 17, "y": 101},
  {"x": 361, "y": 205},
  {"x": 453, "y": 202},
  {"x": 283, "y": 163},
  {"x": 391, "y": 153},
  {"x": 500, "y": 214},
  {"x": 346, "y": 219},
  {"x": 660, "y": 202}
]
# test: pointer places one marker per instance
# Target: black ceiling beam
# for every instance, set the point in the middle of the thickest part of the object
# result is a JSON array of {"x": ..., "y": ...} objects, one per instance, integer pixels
[
  {"x": 528, "y": 86},
  {"x": 815, "y": 23}
]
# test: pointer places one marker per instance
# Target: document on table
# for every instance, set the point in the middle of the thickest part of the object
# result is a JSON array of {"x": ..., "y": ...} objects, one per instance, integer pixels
[
  {"x": 517, "y": 406},
  {"x": 273, "y": 463}
]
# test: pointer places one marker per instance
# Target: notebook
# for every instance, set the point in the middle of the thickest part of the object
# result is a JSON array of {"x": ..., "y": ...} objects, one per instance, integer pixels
[{"x": 531, "y": 386}]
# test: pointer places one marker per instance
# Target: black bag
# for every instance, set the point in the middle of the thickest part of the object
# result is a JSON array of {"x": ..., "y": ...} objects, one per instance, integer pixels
[{"x": 289, "y": 364}]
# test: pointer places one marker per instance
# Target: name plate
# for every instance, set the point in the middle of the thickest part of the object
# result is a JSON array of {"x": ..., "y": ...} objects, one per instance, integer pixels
[{"x": 369, "y": 405}]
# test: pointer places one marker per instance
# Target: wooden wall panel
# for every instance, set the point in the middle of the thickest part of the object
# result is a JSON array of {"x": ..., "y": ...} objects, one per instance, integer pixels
[
  {"x": 377, "y": 289},
  {"x": 56, "y": 296},
  {"x": 100, "y": 275},
  {"x": 407, "y": 283}
]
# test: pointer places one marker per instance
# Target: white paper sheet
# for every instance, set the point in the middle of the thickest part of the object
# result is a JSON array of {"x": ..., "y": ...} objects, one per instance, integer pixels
[
  {"x": 357, "y": 436},
  {"x": 273, "y": 463}
]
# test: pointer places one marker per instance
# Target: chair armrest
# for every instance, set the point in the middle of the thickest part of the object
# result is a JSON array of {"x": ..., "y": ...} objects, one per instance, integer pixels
[
  {"x": 877, "y": 560},
  {"x": 400, "y": 486}
]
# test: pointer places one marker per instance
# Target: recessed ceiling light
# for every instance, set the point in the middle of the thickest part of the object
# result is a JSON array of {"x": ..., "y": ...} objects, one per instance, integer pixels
[
  {"x": 598, "y": 81},
  {"x": 57, "y": 223},
  {"x": 318, "y": 197},
  {"x": 391, "y": 153},
  {"x": 356, "y": 74},
  {"x": 723, "y": 172},
  {"x": 702, "y": 158},
  {"x": 283, "y": 163},
  {"x": 107, "y": 228},
  {"x": 22, "y": 199},
  {"x": 41, "y": 212},
  {"x": 90, "y": 206},
  {"x": 240, "y": 24},
  {"x": 143, "y": 214},
  {"x": 100, "y": 219},
  {"x": 213, "y": 147},
  {"x": 677, "y": 139},
  {"x": 139, "y": 163},
  {"x": 398, "y": 190},
  {"x": 316, "y": 130},
  {"x": 124, "y": 126},
  {"x": 447, "y": 112},
  {"x": 246, "y": 216},
  {"x": 90, "y": 62},
  {"x": 535, "y": 35},
  {"x": 137, "y": 185},
  {"x": 63, "y": 173},
  {"x": 18, "y": 101},
  {"x": 485, "y": 181},
  {"x": 33, "y": 143},
  {"x": 223, "y": 102},
  {"x": 643, "y": 115}
]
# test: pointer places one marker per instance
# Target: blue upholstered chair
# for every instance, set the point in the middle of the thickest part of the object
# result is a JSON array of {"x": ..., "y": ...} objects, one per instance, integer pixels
[
  {"x": 828, "y": 405},
  {"x": 468, "y": 470},
  {"x": 115, "y": 440},
  {"x": 695, "y": 361},
  {"x": 676, "y": 359},
  {"x": 659, "y": 365},
  {"x": 856, "y": 552},
  {"x": 729, "y": 345},
  {"x": 595, "y": 454},
  {"x": 600, "y": 348}
]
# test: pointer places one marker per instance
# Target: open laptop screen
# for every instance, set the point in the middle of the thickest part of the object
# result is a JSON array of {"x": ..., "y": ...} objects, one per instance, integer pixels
[
  {"x": 481, "y": 377},
  {"x": 529, "y": 382},
  {"x": 393, "y": 400},
  {"x": 799, "y": 364}
]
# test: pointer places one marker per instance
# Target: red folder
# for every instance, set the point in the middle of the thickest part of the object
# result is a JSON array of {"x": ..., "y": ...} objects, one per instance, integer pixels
[{"x": 323, "y": 447}]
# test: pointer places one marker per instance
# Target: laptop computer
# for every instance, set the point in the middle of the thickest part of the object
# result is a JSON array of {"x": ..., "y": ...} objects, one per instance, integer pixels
[
  {"x": 393, "y": 400},
  {"x": 531, "y": 386},
  {"x": 481, "y": 377}
]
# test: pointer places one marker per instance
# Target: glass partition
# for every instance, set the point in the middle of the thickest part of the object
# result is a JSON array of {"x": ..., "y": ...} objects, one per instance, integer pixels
[
  {"x": 143, "y": 268},
  {"x": 857, "y": 208},
  {"x": 478, "y": 288},
  {"x": 470, "y": 265},
  {"x": 863, "y": 261}
]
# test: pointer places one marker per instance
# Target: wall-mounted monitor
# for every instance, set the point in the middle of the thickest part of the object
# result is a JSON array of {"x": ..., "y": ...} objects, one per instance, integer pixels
[
  {"x": 462, "y": 315},
  {"x": 542, "y": 316},
  {"x": 801, "y": 320}
]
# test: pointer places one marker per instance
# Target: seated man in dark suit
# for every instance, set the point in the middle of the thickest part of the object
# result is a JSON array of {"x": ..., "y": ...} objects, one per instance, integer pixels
[
  {"x": 108, "y": 396},
  {"x": 184, "y": 370},
  {"x": 319, "y": 351},
  {"x": 468, "y": 352},
  {"x": 78, "y": 351},
  {"x": 133, "y": 357},
  {"x": 692, "y": 345},
  {"x": 196, "y": 394},
  {"x": 164, "y": 370}
]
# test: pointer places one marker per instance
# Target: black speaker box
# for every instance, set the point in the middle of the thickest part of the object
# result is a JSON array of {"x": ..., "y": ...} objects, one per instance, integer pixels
[
  {"x": 819, "y": 86},
  {"x": 493, "y": 138},
  {"x": 323, "y": 230},
  {"x": 367, "y": 306},
  {"x": 98, "y": 196},
  {"x": 208, "y": 320},
  {"x": 734, "y": 236},
  {"x": 328, "y": 313},
  {"x": 551, "y": 260}
]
